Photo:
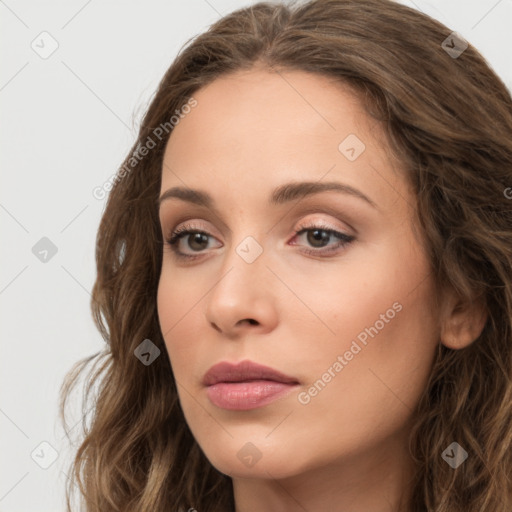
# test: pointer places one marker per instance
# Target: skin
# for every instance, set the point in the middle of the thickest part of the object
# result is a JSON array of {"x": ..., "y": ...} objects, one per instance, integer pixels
[{"x": 346, "y": 449}]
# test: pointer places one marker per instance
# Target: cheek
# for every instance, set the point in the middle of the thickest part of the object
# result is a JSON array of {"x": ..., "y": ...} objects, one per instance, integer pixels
[
  {"x": 346, "y": 300},
  {"x": 175, "y": 305},
  {"x": 378, "y": 383},
  {"x": 380, "y": 322}
]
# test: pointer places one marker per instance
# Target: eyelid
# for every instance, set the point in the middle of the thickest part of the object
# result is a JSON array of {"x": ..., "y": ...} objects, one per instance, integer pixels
[
  {"x": 328, "y": 225},
  {"x": 192, "y": 222},
  {"x": 347, "y": 213},
  {"x": 341, "y": 215},
  {"x": 304, "y": 223}
]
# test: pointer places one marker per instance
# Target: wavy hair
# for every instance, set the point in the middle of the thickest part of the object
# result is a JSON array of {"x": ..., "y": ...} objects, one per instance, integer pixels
[{"x": 449, "y": 122}]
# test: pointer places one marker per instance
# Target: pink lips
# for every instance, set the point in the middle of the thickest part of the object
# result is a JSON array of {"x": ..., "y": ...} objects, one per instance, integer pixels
[{"x": 245, "y": 385}]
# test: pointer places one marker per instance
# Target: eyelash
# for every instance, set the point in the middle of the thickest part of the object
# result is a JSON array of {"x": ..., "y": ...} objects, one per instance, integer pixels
[{"x": 185, "y": 230}]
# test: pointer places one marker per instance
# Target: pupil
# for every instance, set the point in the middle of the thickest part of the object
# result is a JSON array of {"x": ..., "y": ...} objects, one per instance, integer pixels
[
  {"x": 201, "y": 239},
  {"x": 318, "y": 235}
]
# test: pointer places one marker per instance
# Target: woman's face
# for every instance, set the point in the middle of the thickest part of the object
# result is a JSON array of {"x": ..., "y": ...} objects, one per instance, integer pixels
[{"x": 347, "y": 314}]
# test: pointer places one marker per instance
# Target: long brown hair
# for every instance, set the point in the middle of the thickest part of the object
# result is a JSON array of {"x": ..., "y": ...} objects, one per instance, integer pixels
[{"x": 448, "y": 118}]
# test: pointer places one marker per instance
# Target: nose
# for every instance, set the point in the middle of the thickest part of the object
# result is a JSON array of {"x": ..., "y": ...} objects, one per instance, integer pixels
[{"x": 243, "y": 298}]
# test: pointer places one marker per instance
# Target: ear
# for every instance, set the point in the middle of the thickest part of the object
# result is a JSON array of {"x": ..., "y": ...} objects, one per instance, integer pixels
[{"x": 462, "y": 322}]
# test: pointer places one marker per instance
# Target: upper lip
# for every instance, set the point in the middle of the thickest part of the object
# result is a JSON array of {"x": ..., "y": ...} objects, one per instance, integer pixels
[{"x": 244, "y": 371}]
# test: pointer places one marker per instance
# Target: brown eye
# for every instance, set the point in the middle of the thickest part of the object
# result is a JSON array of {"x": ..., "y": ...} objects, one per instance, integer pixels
[
  {"x": 318, "y": 237},
  {"x": 195, "y": 240}
]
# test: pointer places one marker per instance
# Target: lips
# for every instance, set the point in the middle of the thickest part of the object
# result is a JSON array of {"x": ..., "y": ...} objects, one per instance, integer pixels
[
  {"x": 244, "y": 371},
  {"x": 246, "y": 385}
]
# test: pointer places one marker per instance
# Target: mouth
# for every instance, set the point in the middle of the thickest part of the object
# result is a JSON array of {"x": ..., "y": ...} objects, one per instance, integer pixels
[{"x": 246, "y": 385}]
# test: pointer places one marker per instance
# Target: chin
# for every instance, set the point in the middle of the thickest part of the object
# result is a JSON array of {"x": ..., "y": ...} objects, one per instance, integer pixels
[{"x": 251, "y": 459}]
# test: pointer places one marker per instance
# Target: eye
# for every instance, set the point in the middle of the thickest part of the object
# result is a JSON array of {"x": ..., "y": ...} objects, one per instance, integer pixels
[
  {"x": 318, "y": 236},
  {"x": 197, "y": 241}
]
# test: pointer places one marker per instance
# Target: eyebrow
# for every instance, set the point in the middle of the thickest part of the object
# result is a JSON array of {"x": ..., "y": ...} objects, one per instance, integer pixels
[{"x": 282, "y": 194}]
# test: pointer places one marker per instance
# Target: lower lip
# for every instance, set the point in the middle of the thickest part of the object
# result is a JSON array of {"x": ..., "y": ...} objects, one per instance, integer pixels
[{"x": 243, "y": 396}]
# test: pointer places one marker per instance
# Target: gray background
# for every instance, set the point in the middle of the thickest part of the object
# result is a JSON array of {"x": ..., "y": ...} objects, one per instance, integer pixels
[{"x": 67, "y": 122}]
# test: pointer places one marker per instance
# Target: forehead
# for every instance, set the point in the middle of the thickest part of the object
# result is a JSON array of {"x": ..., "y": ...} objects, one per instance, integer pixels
[
  {"x": 257, "y": 129},
  {"x": 290, "y": 105}
]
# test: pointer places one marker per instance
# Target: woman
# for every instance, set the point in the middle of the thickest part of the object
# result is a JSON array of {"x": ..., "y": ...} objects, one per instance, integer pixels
[{"x": 304, "y": 275}]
